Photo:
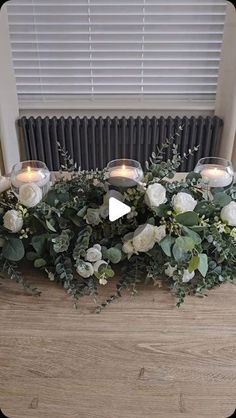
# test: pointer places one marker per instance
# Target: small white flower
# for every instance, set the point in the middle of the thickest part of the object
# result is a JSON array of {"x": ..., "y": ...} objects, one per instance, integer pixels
[
  {"x": 85, "y": 269},
  {"x": 13, "y": 221},
  {"x": 160, "y": 232},
  {"x": 228, "y": 214},
  {"x": 169, "y": 270},
  {"x": 30, "y": 195},
  {"x": 183, "y": 202},
  {"x": 5, "y": 184},
  {"x": 144, "y": 238},
  {"x": 103, "y": 281},
  {"x": 93, "y": 254},
  {"x": 155, "y": 195},
  {"x": 233, "y": 233},
  {"x": 98, "y": 183},
  {"x": 98, "y": 264},
  {"x": 187, "y": 276},
  {"x": 221, "y": 227},
  {"x": 98, "y": 246}
]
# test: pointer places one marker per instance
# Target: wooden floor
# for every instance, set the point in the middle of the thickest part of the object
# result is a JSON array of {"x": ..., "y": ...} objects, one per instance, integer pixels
[{"x": 140, "y": 358}]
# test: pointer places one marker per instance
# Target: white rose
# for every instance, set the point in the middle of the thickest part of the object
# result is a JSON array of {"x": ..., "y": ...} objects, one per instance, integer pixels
[
  {"x": 13, "y": 221},
  {"x": 144, "y": 238},
  {"x": 98, "y": 264},
  {"x": 5, "y": 184},
  {"x": 187, "y": 276},
  {"x": 85, "y": 269},
  {"x": 93, "y": 254},
  {"x": 228, "y": 214},
  {"x": 183, "y": 202},
  {"x": 155, "y": 195},
  {"x": 169, "y": 270},
  {"x": 30, "y": 195},
  {"x": 93, "y": 216},
  {"x": 160, "y": 232}
]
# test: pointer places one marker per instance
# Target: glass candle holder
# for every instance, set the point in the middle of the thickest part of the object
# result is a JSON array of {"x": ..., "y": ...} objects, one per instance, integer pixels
[
  {"x": 124, "y": 173},
  {"x": 217, "y": 172},
  {"x": 31, "y": 171}
]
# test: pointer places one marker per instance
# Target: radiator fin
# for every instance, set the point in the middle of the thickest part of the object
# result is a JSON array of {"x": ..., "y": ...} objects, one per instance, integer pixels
[{"x": 93, "y": 142}]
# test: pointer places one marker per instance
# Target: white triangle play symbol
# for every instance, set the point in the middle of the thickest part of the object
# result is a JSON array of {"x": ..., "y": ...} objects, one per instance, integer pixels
[{"x": 117, "y": 209}]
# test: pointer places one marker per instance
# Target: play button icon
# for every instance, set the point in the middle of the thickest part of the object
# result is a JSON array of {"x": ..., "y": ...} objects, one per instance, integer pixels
[{"x": 117, "y": 209}]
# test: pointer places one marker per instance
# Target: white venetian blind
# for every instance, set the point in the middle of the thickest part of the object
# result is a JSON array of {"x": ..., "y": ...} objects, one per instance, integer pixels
[{"x": 116, "y": 47}]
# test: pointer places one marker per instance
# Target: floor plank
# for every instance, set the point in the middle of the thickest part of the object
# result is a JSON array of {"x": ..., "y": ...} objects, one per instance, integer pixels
[{"x": 140, "y": 358}]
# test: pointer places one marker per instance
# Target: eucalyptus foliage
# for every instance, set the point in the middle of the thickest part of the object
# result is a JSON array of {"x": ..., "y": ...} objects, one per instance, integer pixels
[{"x": 72, "y": 218}]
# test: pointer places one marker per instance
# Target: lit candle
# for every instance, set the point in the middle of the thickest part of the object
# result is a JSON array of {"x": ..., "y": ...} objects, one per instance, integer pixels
[
  {"x": 216, "y": 176},
  {"x": 124, "y": 172},
  {"x": 123, "y": 176},
  {"x": 31, "y": 175},
  {"x": 127, "y": 172}
]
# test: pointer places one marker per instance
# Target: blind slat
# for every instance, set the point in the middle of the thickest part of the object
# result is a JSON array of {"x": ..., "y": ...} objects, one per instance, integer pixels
[{"x": 131, "y": 47}]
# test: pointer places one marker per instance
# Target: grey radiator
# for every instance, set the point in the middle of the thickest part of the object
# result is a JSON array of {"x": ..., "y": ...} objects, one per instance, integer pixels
[{"x": 93, "y": 142}]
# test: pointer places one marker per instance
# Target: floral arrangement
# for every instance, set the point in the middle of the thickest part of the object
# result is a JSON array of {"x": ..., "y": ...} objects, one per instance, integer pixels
[{"x": 178, "y": 234}]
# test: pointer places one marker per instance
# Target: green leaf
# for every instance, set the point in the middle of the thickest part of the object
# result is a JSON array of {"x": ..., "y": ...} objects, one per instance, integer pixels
[
  {"x": 182, "y": 247},
  {"x": 193, "y": 264},
  {"x": 204, "y": 208},
  {"x": 161, "y": 210},
  {"x": 216, "y": 190},
  {"x": 13, "y": 249},
  {"x": 178, "y": 253},
  {"x": 50, "y": 227},
  {"x": 166, "y": 244},
  {"x": 188, "y": 218},
  {"x": 40, "y": 262},
  {"x": 51, "y": 198},
  {"x": 222, "y": 199},
  {"x": 76, "y": 220},
  {"x": 38, "y": 242},
  {"x": 114, "y": 255},
  {"x": 171, "y": 175},
  {"x": 2, "y": 241},
  {"x": 63, "y": 197},
  {"x": 31, "y": 256},
  {"x": 186, "y": 243},
  {"x": 82, "y": 212},
  {"x": 108, "y": 272},
  {"x": 203, "y": 264},
  {"x": 192, "y": 234},
  {"x": 193, "y": 176}
]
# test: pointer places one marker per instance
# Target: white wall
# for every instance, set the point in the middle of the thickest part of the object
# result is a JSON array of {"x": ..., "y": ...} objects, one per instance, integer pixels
[
  {"x": 112, "y": 113},
  {"x": 226, "y": 91},
  {"x": 8, "y": 98}
]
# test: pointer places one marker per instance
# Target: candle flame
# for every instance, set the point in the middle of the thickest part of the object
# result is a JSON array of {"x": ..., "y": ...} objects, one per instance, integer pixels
[
  {"x": 123, "y": 167},
  {"x": 29, "y": 169}
]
